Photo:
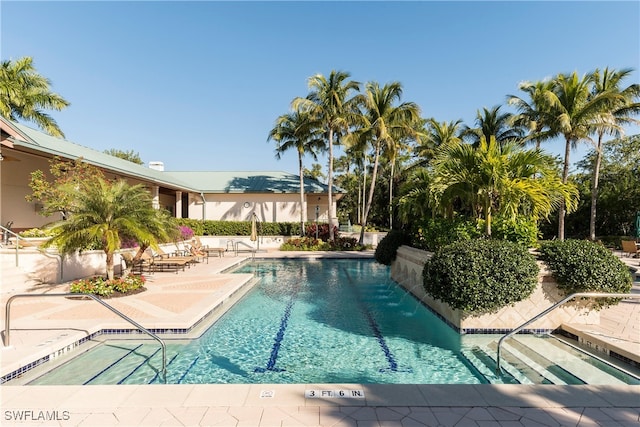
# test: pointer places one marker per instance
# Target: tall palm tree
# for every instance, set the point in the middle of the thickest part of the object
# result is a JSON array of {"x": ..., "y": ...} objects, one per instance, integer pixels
[
  {"x": 297, "y": 130},
  {"x": 533, "y": 114},
  {"x": 104, "y": 212},
  {"x": 502, "y": 179},
  {"x": 384, "y": 125},
  {"x": 611, "y": 121},
  {"x": 436, "y": 134},
  {"x": 24, "y": 94},
  {"x": 566, "y": 107},
  {"x": 330, "y": 102},
  {"x": 492, "y": 122}
]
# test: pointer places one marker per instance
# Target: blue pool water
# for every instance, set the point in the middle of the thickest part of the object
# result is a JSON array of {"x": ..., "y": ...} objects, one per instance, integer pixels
[
  {"x": 324, "y": 321},
  {"x": 333, "y": 321}
]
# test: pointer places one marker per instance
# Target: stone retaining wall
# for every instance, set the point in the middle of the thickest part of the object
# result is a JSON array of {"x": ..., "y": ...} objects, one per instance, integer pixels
[{"x": 407, "y": 271}]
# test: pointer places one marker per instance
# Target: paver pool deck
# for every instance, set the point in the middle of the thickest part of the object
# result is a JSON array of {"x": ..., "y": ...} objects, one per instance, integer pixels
[{"x": 41, "y": 326}]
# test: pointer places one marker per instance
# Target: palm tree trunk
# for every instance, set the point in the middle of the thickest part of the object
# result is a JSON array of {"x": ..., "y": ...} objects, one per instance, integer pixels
[
  {"x": 565, "y": 179},
  {"x": 594, "y": 190},
  {"x": 302, "y": 205},
  {"x": 370, "y": 198},
  {"x": 110, "y": 273},
  {"x": 330, "y": 183},
  {"x": 393, "y": 163}
]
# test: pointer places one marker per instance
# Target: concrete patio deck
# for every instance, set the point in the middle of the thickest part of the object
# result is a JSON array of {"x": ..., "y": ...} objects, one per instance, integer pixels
[{"x": 40, "y": 326}]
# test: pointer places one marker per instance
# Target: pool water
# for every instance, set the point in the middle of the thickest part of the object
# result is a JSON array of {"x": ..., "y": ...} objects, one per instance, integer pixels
[{"x": 331, "y": 321}]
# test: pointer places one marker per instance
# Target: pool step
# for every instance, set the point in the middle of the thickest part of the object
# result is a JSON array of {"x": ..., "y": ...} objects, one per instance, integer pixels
[
  {"x": 562, "y": 358},
  {"x": 104, "y": 363},
  {"x": 530, "y": 359}
]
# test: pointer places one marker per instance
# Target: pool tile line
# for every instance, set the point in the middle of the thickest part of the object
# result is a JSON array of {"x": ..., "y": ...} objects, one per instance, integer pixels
[
  {"x": 393, "y": 364},
  {"x": 280, "y": 336}
]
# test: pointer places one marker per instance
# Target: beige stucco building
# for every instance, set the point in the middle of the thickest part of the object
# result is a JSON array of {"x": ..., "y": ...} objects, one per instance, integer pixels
[{"x": 232, "y": 196}]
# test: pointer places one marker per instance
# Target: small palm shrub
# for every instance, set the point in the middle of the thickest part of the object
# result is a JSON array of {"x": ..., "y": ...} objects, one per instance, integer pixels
[
  {"x": 434, "y": 233},
  {"x": 387, "y": 248},
  {"x": 103, "y": 287},
  {"x": 521, "y": 230},
  {"x": 583, "y": 266},
  {"x": 481, "y": 276}
]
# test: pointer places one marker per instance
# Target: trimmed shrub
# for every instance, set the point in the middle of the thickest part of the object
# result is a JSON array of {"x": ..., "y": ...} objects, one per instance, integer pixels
[
  {"x": 481, "y": 276},
  {"x": 239, "y": 228},
  {"x": 583, "y": 266},
  {"x": 387, "y": 248}
]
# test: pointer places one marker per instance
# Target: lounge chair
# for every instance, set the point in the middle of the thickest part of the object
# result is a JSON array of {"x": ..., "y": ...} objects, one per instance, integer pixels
[
  {"x": 199, "y": 254},
  {"x": 630, "y": 248},
  {"x": 139, "y": 264},
  {"x": 158, "y": 263},
  {"x": 162, "y": 255}
]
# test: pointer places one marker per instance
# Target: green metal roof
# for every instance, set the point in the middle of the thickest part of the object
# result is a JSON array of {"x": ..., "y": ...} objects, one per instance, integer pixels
[
  {"x": 198, "y": 182},
  {"x": 249, "y": 182}
]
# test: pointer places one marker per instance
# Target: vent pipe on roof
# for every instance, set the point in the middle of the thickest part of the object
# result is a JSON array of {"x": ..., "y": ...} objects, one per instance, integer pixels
[{"x": 159, "y": 166}]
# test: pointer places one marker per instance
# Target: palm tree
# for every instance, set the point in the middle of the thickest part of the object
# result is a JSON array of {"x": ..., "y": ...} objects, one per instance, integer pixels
[
  {"x": 533, "y": 114},
  {"x": 329, "y": 102},
  {"x": 24, "y": 94},
  {"x": 385, "y": 126},
  {"x": 103, "y": 213},
  {"x": 565, "y": 107},
  {"x": 297, "y": 130},
  {"x": 436, "y": 134},
  {"x": 499, "y": 179},
  {"x": 491, "y": 122},
  {"x": 611, "y": 121}
]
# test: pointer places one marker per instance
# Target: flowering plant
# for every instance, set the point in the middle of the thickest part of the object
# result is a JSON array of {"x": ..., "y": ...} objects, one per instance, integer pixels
[
  {"x": 186, "y": 233},
  {"x": 105, "y": 288}
]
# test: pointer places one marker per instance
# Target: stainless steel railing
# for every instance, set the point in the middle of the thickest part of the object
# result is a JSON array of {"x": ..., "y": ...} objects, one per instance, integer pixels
[
  {"x": 5, "y": 240},
  {"x": 7, "y": 337},
  {"x": 550, "y": 309}
]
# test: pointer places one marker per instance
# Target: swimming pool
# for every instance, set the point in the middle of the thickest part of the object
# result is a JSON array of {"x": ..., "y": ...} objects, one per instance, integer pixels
[{"x": 323, "y": 321}]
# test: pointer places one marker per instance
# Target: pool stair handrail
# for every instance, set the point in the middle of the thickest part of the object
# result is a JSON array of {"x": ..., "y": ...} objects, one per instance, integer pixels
[
  {"x": 550, "y": 309},
  {"x": 7, "y": 234},
  {"x": 7, "y": 337}
]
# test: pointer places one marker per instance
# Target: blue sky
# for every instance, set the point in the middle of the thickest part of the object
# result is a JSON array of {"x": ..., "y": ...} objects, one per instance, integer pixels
[{"x": 198, "y": 85}]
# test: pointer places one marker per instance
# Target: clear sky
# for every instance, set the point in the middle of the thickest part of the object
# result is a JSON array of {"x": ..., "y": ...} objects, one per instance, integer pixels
[{"x": 198, "y": 85}]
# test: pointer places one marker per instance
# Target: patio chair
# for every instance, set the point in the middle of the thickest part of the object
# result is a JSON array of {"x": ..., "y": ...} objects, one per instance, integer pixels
[
  {"x": 630, "y": 248},
  {"x": 137, "y": 265},
  {"x": 162, "y": 255},
  {"x": 199, "y": 254}
]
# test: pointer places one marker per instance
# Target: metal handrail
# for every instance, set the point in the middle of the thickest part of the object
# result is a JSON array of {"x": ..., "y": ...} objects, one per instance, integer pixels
[
  {"x": 6, "y": 230},
  {"x": 93, "y": 297},
  {"x": 550, "y": 309}
]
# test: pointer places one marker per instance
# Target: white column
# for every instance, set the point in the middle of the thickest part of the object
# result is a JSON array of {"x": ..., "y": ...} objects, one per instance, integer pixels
[
  {"x": 155, "y": 197},
  {"x": 178, "y": 204}
]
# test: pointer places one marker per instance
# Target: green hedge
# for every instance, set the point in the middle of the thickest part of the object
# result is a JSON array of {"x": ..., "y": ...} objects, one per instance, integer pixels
[
  {"x": 388, "y": 247},
  {"x": 239, "y": 228},
  {"x": 481, "y": 276},
  {"x": 583, "y": 266}
]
